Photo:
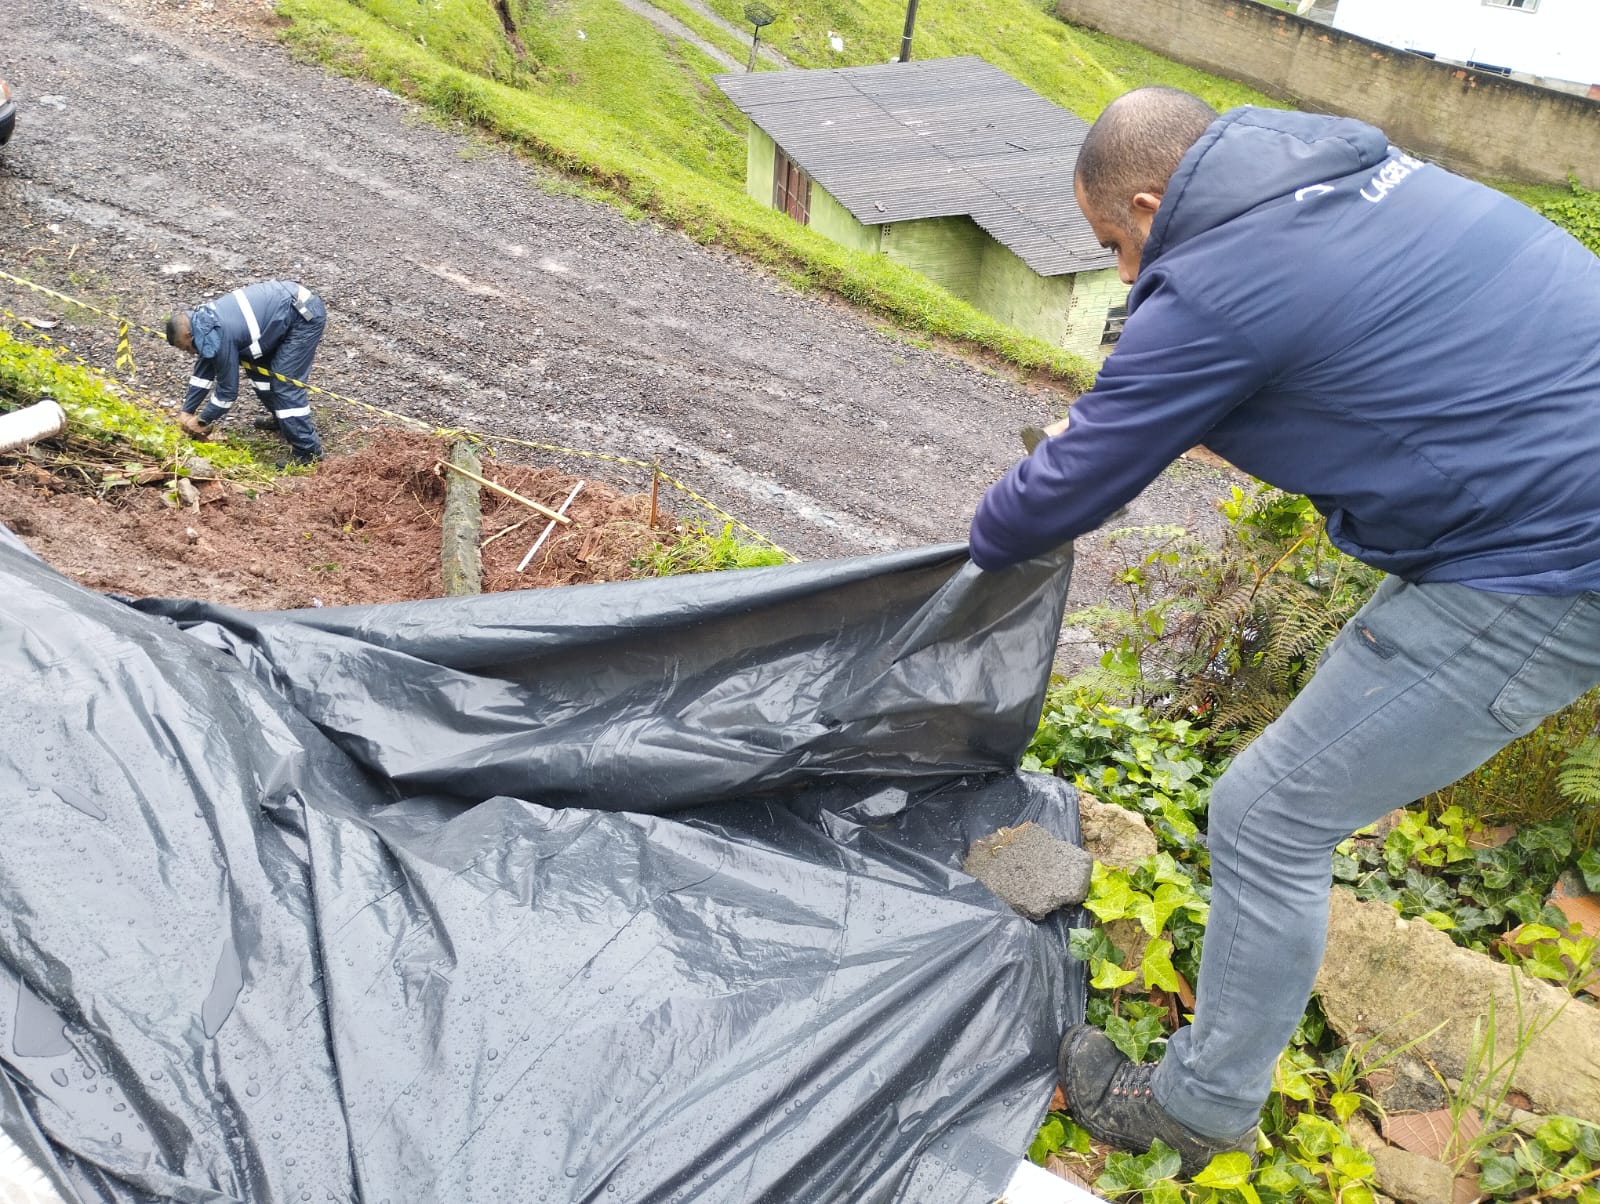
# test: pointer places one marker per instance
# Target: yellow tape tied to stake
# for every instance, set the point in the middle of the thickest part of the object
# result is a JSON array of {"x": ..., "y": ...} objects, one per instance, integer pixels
[{"x": 125, "y": 352}]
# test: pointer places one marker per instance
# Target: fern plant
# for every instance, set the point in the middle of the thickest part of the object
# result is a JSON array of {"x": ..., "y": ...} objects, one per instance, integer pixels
[
  {"x": 1228, "y": 633},
  {"x": 1579, "y": 775},
  {"x": 1578, "y": 779}
]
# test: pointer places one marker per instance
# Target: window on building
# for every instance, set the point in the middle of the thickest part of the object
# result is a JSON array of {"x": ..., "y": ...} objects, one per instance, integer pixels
[
  {"x": 1526, "y": 6},
  {"x": 791, "y": 188},
  {"x": 1115, "y": 317}
]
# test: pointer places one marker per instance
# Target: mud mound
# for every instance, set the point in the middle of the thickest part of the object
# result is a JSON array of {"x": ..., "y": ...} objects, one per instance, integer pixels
[{"x": 364, "y": 528}]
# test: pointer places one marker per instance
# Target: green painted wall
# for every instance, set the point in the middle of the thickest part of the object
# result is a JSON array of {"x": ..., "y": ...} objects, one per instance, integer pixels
[
  {"x": 829, "y": 217},
  {"x": 1093, "y": 294},
  {"x": 960, "y": 256},
  {"x": 947, "y": 250},
  {"x": 1011, "y": 291},
  {"x": 760, "y": 155}
]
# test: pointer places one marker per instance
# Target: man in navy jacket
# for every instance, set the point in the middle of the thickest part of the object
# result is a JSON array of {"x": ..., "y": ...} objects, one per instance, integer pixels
[
  {"x": 271, "y": 330},
  {"x": 1418, "y": 354}
]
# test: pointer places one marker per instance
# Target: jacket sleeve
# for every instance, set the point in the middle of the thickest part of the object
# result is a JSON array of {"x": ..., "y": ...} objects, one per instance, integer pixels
[
  {"x": 1178, "y": 370},
  {"x": 201, "y": 379},
  {"x": 225, "y": 368}
]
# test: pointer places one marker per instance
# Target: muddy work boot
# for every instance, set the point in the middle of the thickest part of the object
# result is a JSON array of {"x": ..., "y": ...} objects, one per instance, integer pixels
[
  {"x": 1110, "y": 1096},
  {"x": 266, "y": 423},
  {"x": 193, "y": 427}
]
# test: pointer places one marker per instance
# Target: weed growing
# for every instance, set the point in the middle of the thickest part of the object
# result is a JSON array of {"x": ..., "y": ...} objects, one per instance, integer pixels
[{"x": 695, "y": 548}]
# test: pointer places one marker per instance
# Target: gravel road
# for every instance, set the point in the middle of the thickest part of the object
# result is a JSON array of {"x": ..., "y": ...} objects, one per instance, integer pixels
[{"x": 192, "y": 155}]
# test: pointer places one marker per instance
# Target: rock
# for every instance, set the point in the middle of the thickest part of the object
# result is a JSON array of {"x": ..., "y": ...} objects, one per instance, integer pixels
[
  {"x": 191, "y": 535},
  {"x": 188, "y": 494},
  {"x": 1396, "y": 980},
  {"x": 1035, "y": 872},
  {"x": 199, "y": 466},
  {"x": 1403, "y": 1084},
  {"x": 1114, "y": 835},
  {"x": 1407, "y": 1177}
]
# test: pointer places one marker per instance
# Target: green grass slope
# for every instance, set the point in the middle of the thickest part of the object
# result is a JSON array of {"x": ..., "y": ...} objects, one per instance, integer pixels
[
  {"x": 594, "y": 89},
  {"x": 1077, "y": 69}
]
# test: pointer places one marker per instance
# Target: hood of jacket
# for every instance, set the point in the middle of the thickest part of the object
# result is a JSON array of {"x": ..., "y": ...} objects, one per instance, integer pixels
[
  {"x": 205, "y": 329},
  {"x": 1250, "y": 156}
]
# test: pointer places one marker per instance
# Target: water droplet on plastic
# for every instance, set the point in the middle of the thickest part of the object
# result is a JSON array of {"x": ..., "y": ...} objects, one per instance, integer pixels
[
  {"x": 252, "y": 1089},
  {"x": 572, "y": 1172},
  {"x": 59, "y": 1077},
  {"x": 116, "y": 1139},
  {"x": 493, "y": 1054}
]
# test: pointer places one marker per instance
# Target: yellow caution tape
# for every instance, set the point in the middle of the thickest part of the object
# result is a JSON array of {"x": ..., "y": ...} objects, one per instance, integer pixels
[{"x": 125, "y": 362}]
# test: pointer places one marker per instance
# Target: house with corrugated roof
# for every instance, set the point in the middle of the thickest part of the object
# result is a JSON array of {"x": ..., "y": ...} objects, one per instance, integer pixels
[{"x": 948, "y": 166}]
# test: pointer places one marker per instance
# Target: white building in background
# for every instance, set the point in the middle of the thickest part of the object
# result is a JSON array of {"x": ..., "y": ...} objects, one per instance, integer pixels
[{"x": 1555, "y": 40}]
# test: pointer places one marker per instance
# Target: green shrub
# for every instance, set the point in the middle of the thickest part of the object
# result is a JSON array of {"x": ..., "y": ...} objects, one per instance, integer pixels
[
  {"x": 1577, "y": 211},
  {"x": 106, "y": 424}
]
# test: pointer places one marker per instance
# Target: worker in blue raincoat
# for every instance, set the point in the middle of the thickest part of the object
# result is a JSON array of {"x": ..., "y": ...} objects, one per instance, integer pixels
[{"x": 270, "y": 329}]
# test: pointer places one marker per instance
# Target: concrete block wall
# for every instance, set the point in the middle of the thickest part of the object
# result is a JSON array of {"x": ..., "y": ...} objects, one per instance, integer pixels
[
  {"x": 947, "y": 250},
  {"x": 1094, "y": 294},
  {"x": 1008, "y": 289},
  {"x": 1482, "y": 124}
]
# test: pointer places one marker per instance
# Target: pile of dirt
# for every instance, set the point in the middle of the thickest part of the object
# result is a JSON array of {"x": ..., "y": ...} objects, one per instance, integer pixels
[{"x": 363, "y": 528}]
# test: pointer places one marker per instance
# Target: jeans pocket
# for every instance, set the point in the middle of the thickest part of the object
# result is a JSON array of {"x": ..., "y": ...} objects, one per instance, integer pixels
[{"x": 1552, "y": 677}]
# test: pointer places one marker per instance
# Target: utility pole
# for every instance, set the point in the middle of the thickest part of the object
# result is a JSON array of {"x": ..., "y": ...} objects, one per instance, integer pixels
[{"x": 911, "y": 24}]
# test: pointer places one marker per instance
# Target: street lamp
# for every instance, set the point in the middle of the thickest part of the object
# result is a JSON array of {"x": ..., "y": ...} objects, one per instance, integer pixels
[{"x": 758, "y": 15}]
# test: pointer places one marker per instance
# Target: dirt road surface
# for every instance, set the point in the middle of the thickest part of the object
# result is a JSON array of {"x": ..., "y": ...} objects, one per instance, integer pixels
[{"x": 184, "y": 156}]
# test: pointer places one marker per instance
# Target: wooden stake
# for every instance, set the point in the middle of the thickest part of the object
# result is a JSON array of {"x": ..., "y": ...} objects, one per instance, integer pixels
[
  {"x": 655, "y": 491},
  {"x": 461, "y": 525},
  {"x": 512, "y": 494}
]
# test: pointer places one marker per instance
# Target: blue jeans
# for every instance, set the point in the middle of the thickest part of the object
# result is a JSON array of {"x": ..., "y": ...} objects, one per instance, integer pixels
[{"x": 1422, "y": 686}]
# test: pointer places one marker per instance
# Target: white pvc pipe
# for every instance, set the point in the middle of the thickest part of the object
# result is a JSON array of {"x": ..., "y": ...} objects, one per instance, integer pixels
[{"x": 38, "y": 421}]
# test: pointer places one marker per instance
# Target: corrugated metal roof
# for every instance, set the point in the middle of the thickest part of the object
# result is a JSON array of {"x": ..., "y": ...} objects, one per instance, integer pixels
[{"x": 937, "y": 138}]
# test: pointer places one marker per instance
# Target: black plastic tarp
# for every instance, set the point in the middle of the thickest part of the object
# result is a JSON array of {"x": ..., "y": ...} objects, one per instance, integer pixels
[{"x": 639, "y": 892}]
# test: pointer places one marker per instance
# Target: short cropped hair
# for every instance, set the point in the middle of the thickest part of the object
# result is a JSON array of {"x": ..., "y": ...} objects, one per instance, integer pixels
[
  {"x": 175, "y": 323},
  {"x": 1137, "y": 144}
]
